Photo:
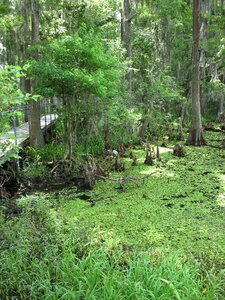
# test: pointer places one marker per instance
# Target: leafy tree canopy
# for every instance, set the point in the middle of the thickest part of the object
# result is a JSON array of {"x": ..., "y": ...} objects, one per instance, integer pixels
[
  {"x": 10, "y": 93},
  {"x": 77, "y": 64}
]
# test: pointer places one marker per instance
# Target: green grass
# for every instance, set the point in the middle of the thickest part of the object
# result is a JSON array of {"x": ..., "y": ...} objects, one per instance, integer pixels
[
  {"x": 100, "y": 276},
  {"x": 44, "y": 257}
]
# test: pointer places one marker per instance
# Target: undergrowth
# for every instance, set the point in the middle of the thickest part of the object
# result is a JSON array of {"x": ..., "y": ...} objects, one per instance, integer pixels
[
  {"x": 158, "y": 239},
  {"x": 45, "y": 257}
]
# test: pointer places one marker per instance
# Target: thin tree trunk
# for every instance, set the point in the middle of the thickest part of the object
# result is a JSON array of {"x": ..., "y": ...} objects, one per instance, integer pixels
[
  {"x": 36, "y": 135},
  {"x": 196, "y": 131},
  {"x": 182, "y": 117},
  {"x": 122, "y": 24},
  {"x": 126, "y": 36},
  {"x": 144, "y": 124},
  {"x": 69, "y": 127},
  {"x": 10, "y": 46},
  {"x": 26, "y": 86},
  {"x": 205, "y": 9},
  {"x": 220, "y": 115}
]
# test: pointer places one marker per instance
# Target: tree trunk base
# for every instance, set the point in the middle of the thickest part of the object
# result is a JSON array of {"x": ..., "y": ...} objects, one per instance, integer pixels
[
  {"x": 196, "y": 138},
  {"x": 148, "y": 159}
]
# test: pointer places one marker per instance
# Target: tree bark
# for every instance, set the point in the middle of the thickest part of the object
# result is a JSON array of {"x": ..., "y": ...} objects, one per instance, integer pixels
[
  {"x": 126, "y": 36},
  {"x": 36, "y": 135},
  {"x": 68, "y": 102},
  {"x": 26, "y": 86},
  {"x": 196, "y": 132},
  {"x": 144, "y": 125},
  {"x": 221, "y": 115},
  {"x": 69, "y": 128}
]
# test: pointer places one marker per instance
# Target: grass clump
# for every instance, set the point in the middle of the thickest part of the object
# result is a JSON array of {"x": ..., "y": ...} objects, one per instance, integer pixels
[
  {"x": 45, "y": 257},
  {"x": 98, "y": 276},
  {"x": 35, "y": 172}
]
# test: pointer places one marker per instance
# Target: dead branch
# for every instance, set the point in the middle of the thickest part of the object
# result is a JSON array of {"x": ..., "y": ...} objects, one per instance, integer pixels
[
  {"x": 122, "y": 180},
  {"x": 62, "y": 162}
]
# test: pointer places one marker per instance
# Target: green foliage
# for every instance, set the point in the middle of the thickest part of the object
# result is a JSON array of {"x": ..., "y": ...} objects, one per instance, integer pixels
[
  {"x": 86, "y": 74},
  {"x": 121, "y": 125},
  {"x": 51, "y": 152},
  {"x": 10, "y": 93},
  {"x": 156, "y": 86},
  {"x": 33, "y": 167},
  {"x": 39, "y": 260},
  {"x": 77, "y": 64},
  {"x": 96, "y": 145},
  {"x": 35, "y": 172},
  {"x": 10, "y": 97},
  {"x": 10, "y": 151},
  {"x": 216, "y": 86},
  {"x": 159, "y": 126},
  {"x": 4, "y": 9},
  {"x": 35, "y": 163}
]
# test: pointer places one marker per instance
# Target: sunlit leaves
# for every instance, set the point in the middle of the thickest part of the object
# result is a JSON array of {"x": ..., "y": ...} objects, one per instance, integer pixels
[
  {"x": 76, "y": 64},
  {"x": 10, "y": 93}
]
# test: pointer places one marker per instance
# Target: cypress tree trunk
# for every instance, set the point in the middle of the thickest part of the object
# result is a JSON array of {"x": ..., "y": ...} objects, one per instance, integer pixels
[
  {"x": 69, "y": 127},
  {"x": 36, "y": 135},
  {"x": 196, "y": 132},
  {"x": 203, "y": 57},
  {"x": 126, "y": 36},
  {"x": 220, "y": 115},
  {"x": 26, "y": 86}
]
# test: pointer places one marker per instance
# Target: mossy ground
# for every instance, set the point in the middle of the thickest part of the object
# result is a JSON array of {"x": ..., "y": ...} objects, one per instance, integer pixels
[{"x": 180, "y": 207}]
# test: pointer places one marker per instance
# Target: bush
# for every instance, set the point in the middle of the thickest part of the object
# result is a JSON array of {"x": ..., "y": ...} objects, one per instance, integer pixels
[
  {"x": 35, "y": 172},
  {"x": 96, "y": 145},
  {"x": 52, "y": 152}
]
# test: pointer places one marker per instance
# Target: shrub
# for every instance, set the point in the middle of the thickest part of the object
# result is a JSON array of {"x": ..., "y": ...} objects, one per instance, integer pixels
[
  {"x": 35, "y": 172},
  {"x": 52, "y": 152}
]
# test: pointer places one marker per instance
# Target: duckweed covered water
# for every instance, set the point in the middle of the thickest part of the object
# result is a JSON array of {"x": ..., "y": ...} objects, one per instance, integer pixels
[{"x": 180, "y": 207}]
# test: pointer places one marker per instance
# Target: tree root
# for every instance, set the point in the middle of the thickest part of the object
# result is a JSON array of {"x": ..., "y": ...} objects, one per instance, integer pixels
[
  {"x": 122, "y": 180},
  {"x": 62, "y": 162}
]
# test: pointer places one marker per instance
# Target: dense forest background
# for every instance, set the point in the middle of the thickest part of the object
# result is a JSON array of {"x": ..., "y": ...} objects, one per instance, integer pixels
[
  {"x": 112, "y": 198},
  {"x": 117, "y": 71}
]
